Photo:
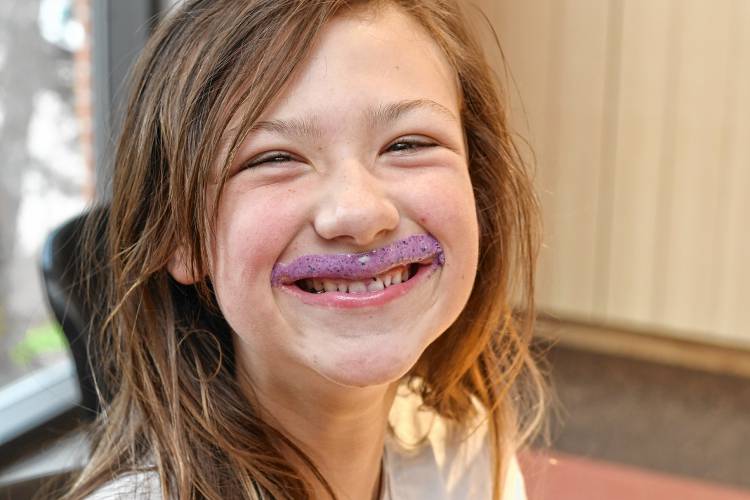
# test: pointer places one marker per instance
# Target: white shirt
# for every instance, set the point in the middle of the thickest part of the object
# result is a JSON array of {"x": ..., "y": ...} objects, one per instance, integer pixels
[
  {"x": 441, "y": 467},
  {"x": 417, "y": 477}
]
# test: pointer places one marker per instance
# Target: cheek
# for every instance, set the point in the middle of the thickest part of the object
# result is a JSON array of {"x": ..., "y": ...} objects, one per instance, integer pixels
[
  {"x": 445, "y": 206},
  {"x": 252, "y": 230}
]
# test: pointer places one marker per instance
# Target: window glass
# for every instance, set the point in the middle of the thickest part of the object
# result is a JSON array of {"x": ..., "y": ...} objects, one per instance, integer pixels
[{"x": 46, "y": 171}]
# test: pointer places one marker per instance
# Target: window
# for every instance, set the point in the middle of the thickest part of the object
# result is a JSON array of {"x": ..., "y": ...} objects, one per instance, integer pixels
[
  {"x": 62, "y": 68},
  {"x": 47, "y": 177}
]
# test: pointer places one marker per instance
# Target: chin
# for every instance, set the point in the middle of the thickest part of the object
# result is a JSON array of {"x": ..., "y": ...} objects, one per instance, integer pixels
[{"x": 369, "y": 367}]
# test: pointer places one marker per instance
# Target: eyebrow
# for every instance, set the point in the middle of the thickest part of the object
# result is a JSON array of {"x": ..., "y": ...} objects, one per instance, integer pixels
[
  {"x": 389, "y": 113},
  {"x": 295, "y": 127},
  {"x": 376, "y": 117}
]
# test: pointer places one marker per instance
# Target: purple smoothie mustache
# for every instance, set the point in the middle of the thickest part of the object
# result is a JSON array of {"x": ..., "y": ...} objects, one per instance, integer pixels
[{"x": 353, "y": 266}]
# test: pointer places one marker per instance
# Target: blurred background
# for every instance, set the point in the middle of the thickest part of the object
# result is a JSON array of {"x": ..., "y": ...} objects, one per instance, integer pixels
[{"x": 636, "y": 117}]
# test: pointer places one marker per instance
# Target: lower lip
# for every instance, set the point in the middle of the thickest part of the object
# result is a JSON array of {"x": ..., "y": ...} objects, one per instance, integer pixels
[{"x": 344, "y": 300}]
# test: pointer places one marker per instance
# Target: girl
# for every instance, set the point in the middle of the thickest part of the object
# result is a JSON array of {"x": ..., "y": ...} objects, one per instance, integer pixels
[{"x": 319, "y": 231}]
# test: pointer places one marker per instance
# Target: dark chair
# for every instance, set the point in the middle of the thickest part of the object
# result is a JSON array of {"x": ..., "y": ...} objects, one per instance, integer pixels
[
  {"x": 65, "y": 280},
  {"x": 68, "y": 274}
]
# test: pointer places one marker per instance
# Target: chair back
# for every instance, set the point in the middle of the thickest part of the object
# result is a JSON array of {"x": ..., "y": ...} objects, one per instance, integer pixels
[{"x": 65, "y": 279}]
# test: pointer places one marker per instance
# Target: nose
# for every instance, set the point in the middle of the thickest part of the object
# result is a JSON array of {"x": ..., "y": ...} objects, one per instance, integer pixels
[{"x": 355, "y": 206}]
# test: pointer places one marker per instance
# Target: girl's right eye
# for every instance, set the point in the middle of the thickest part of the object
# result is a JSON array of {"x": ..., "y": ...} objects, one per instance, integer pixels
[{"x": 268, "y": 159}]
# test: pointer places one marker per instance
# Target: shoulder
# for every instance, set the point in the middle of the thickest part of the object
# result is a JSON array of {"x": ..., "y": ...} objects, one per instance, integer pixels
[
  {"x": 455, "y": 461},
  {"x": 136, "y": 485}
]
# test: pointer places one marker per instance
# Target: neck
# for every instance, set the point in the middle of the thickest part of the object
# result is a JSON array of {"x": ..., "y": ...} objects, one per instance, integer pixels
[{"x": 341, "y": 429}]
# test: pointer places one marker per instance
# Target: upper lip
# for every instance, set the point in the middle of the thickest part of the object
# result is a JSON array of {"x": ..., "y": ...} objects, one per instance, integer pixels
[{"x": 416, "y": 248}]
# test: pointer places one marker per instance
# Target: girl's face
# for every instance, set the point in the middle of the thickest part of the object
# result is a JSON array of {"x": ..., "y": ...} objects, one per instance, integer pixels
[{"x": 362, "y": 150}]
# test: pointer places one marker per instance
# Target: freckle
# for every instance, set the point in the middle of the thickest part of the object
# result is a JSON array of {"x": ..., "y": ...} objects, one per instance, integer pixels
[
  {"x": 423, "y": 219},
  {"x": 290, "y": 190}
]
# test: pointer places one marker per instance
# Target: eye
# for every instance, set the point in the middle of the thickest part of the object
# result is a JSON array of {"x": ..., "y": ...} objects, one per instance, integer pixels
[
  {"x": 271, "y": 158},
  {"x": 406, "y": 145}
]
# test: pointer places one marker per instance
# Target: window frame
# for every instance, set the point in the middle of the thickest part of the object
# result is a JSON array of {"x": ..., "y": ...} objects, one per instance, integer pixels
[{"x": 48, "y": 397}]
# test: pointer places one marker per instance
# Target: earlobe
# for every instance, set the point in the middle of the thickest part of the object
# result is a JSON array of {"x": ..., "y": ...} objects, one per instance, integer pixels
[{"x": 179, "y": 267}]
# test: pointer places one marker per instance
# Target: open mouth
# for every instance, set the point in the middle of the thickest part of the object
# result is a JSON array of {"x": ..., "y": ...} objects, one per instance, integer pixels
[
  {"x": 393, "y": 277},
  {"x": 364, "y": 279}
]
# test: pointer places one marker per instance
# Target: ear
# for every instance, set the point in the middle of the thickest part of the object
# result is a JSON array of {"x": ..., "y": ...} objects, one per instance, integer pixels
[{"x": 179, "y": 267}]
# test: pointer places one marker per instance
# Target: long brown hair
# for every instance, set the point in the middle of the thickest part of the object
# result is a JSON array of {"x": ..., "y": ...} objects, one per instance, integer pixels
[{"x": 164, "y": 354}]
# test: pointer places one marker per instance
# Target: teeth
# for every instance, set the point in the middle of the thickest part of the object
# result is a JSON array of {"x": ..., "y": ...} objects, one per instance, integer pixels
[
  {"x": 375, "y": 286},
  {"x": 393, "y": 277}
]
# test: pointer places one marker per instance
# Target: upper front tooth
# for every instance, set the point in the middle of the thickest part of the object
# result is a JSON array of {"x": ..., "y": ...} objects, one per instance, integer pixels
[
  {"x": 342, "y": 286},
  {"x": 318, "y": 285},
  {"x": 375, "y": 286},
  {"x": 405, "y": 274},
  {"x": 329, "y": 286},
  {"x": 387, "y": 280},
  {"x": 357, "y": 287},
  {"x": 396, "y": 278}
]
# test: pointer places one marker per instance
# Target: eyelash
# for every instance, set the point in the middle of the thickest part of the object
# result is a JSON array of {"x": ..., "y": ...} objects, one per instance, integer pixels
[
  {"x": 273, "y": 157},
  {"x": 279, "y": 157},
  {"x": 412, "y": 145}
]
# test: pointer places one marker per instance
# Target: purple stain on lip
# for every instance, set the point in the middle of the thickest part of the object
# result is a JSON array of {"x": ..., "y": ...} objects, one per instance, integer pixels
[{"x": 353, "y": 266}]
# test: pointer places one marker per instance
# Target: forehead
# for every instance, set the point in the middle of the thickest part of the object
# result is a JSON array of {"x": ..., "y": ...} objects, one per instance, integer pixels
[{"x": 363, "y": 62}]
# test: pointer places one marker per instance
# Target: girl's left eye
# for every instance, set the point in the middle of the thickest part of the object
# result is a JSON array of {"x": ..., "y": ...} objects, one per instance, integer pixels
[{"x": 408, "y": 145}]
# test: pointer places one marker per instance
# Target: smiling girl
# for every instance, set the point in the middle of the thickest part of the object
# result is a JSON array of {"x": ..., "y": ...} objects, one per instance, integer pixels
[{"x": 319, "y": 234}]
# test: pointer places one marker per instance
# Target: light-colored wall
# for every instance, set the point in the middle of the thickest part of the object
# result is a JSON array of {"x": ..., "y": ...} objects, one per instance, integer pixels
[{"x": 639, "y": 115}]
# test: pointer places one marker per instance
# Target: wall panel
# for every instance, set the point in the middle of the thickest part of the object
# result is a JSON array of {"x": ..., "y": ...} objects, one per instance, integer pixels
[
  {"x": 733, "y": 289},
  {"x": 530, "y": 34},
  {"x": 689, "y": 253},
  {"x": 565, "y": 110},
  {"x": 638, "y": 112},
  {"x": 643, "y": 113}
]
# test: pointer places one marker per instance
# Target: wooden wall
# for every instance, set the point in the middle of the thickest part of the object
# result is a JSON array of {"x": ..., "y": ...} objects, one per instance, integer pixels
[{"x": 638, "y": 112}]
